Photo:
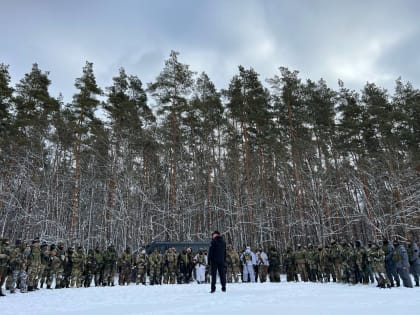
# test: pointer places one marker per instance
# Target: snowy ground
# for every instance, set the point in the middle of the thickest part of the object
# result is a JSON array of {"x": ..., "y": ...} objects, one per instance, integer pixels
[{"x": 242, "y": 298}]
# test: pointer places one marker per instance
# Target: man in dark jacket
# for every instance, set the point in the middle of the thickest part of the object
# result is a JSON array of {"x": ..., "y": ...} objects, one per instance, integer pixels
[{"x": 216, "y": 258}]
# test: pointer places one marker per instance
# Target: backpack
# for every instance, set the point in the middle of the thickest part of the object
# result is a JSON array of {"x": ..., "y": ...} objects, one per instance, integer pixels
[{"x": 247, "y": 257}]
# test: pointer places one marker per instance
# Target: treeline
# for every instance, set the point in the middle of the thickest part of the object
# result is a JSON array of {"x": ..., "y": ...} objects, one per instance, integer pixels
[{"x": 279, "y": 161}]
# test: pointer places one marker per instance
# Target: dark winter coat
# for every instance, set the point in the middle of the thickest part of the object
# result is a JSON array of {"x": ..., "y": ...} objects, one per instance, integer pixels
[{"x": 217, "y": 251}]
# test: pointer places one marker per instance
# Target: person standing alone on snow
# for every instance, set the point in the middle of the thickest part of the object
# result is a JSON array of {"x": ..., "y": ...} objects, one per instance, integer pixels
[{"x": 216, "y": 258}]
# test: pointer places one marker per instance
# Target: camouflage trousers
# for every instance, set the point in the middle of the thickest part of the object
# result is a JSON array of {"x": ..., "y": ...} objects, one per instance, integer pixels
[
  {"x": 109, "y": 275},
  {"x": 17, "y": 279},
  {"x": 380, "y": 275},
  {"x": 98, "y": 276},
  {"x": 291, "y": 274},
  {"x": 33, "y": 273},
  {"x": 262, "y": 273},
  {"x": 274, "y": 274},
  {"x": 76, "y": 277},
  {"x": 232, "y": 272},
  {"x": 58, "y": 275},
  {"x": 301, "y": 269},
  {"x": 169, "y": 274},
  {"x": 124, "y": 276},
  {"x": 338, "y": 271},
  {"x": 43, "y": 274},
  {"x": 141, "y": 275},
  {"x": 155, "y": 277}
]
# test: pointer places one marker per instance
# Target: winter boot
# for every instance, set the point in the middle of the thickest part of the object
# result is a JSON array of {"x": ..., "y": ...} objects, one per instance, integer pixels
[
  {"x": 1, "y": 292},
  {"x": 30, "y": 288},
  {"x": 417, "y": 283}
]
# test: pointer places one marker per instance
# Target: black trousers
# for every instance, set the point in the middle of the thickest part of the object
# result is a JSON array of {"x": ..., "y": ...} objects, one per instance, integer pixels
[{"x": 218, "y": 267}]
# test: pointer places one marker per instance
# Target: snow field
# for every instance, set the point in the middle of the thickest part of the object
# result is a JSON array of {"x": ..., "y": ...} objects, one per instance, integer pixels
[{"x": 242, "y": 298}]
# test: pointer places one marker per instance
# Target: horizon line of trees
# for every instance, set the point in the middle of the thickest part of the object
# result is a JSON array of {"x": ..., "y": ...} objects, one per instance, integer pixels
[{"x": 290, "y": 161}]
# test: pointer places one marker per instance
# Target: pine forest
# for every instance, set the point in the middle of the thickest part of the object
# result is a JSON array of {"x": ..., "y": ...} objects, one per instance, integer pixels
[{"x": 275, "y": 161}]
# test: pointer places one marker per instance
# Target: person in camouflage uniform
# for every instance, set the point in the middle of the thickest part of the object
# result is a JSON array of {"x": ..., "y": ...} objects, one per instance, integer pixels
[
  {"x": 99, "y": 266},
  {"x": 336, "y": 254},
  {"x": 369, "y": 259},
  {"x": 45, "y": 264},
  {"x": 348, "y": 262},
  {"x": 155, "y": 266},
  {"x": 4, "y": 263},
  {"x": 326, "y": 264},
  {"x": 79, "y": 261},
  {"x": 170, "y": 264},
  {"x": 142, "y": 262},
  {"x": 125, "y": 263},
  {"x": 232, "y": 264},
  {"x": 56, "y": 270},
  {"x": 275, "y": 264},
  {"x": 90, "y": 268},
  {"x": 34, "y": 265},
  {"x": 185, "y": 262},
  {"x": 262, "y": 264},
  {"x": 61, "y": 255},
  {"x": 16, "y": 265},
  {"x": 414, "y": 260},
  {"x": 68, "y": 267},
  {"x": 313, "y": 263},
  {"x": 360, "y": 272},
  {"x": 300, "y": 261},
  {"x": 110, "y": 259},
  {"x": 289, "y": 264},
  {"x": 377, "y": 257}
]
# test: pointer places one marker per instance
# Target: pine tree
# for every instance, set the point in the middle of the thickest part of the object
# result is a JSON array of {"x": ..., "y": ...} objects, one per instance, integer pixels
[
  {"x": 171, "y": 91},
  {"x": 248, "y": 105},
  {"x": 129, "y": 117},
  {"x": 290, "y": 112},
  {"x": 204, "y": 122},
  {"x": 406, "y": 108},
  {"x": 83, "y": 107},
  {"x": 5, "y": 102}
]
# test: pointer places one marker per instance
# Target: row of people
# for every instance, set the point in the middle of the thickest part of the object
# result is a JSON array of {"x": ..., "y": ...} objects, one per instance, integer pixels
[
  {"x": 387, "y": 264},
  {"x": 29, "y": 267}
]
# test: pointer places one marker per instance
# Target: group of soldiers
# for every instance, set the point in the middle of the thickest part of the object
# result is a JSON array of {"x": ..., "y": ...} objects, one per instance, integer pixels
[
  {"x": 28, "y": 266},
  {"x": 386, "y": 263}
]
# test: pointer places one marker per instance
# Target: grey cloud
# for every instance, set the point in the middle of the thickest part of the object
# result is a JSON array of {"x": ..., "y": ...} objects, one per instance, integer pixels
[{"x": 356, "y": 41}]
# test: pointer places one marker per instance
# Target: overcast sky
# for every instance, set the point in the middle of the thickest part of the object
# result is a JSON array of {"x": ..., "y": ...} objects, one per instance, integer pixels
[{"x": 356, "y": 41}]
